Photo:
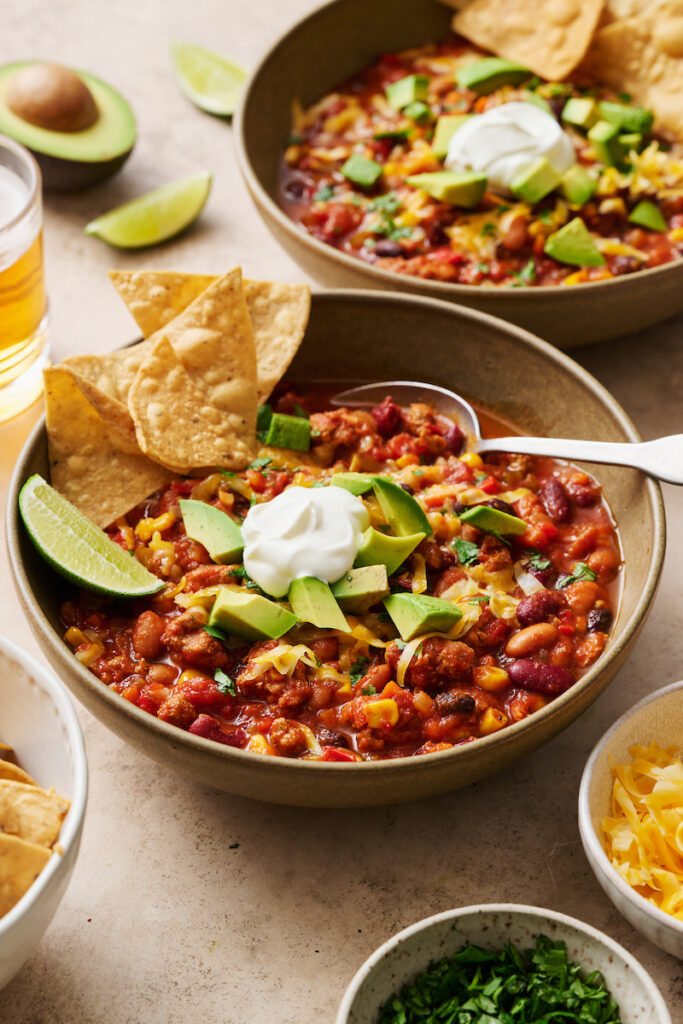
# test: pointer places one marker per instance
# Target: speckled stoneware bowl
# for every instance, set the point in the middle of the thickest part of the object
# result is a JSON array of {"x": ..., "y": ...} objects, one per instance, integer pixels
[
  {"x": 657, "y": 718},
  {"x": 372, "y": 336},
  {"x": 39, "y": 721},
  {"x": 492, "y": 925},
  {"x": 321, "y": 51}
]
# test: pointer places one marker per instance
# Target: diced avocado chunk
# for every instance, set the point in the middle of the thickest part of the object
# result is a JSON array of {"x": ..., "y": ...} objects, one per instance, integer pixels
[
  {"x": 627, "y": 118},
  {"x": 381, "y": 549},
  {"x": 460, "y": 189},
  {"x": 245, "y": 614},
  {"x": 487, "y": 75},
  {"x": 631, "y": 141},
  {"x": 419, "y": 112},
  {"x": 574, "y": 244},
  {"x": 214, "y": 529},
  {"x": 446, "y": 127},
  {"x": 535, "y": 181},
  {"x": 362, "y": 171},
  {"x": 357, "y": 483},
  {"x": 537, "y": 101},
  {"x": 577, "y": 186},
  {"x": 604, "y": 137},
  {"x": 492, "y": 520},
  {"x": 414, "y": 614},
  {"x": 289, "y": 432},
  {"x": 581, "y": 112},
  {"x": 401, "y": 510},
  {"x": 312, "y": 601},
  {"x": 360, "y": 588},
  {"x": 647, "y": 215},
  {"x": 407, "y": 90}
]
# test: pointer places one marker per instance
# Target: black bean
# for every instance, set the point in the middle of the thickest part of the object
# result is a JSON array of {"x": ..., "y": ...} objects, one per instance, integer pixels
[
  {"x": 385, "y": 247},
  {"x": 599, "y": 620}
]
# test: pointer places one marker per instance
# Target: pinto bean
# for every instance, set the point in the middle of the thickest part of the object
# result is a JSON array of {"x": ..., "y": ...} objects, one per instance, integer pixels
[
  {"x": 516, "y": 235},
  {"x": 604, "y": 562},
  {"x": 582, "y": 595},
  {"x": 539, "y": 677},
  {"x": 539, "y": 607},
  {"x": 555, "y": 501},
  {"x": 530, "y": 639},
  {"x": 147, "y": 633}
]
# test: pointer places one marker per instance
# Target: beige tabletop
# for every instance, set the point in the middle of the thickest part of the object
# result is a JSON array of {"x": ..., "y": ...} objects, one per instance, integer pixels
[{"x": 166, "y": 918}]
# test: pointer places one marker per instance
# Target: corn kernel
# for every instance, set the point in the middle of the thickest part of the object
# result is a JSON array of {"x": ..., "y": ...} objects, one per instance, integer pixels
[
  {"x": 676, "y": 235},
  {"x": 189, "y": 673},
  {"x": 258, "y": 744},
  {"x": 381, "y": 712},
  {"x": 407, "y": 460},
  {"x": 491, "y": 721},
  {"x": 578, "y": 277},
  {"x": 90, "y": 653},
  {"x": 490, "y": 677},
  {"x": 472, "y": 460},
  {"x": 74, "y": 636}
]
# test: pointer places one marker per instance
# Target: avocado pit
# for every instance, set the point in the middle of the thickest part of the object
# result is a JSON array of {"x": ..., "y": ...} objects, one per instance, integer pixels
[{"x": 52, "y": 97}]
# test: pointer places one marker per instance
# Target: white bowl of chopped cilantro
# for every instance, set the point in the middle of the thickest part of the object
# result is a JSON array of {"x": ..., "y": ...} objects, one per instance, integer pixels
[{"x": 501, "y": 961}]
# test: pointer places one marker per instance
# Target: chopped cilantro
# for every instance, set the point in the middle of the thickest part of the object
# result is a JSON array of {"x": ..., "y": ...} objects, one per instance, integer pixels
[
  {"x": 368, "y": 690},
  {"x": 488, "y": 229},
  {"x": 528, "y": 272},
  {"x": 545, "y": 216},
  {"x": 227, "y": 472},
  {"x": 358, "y": 669},
  {"x": 581, "y": 572},
  {"x": 217, "y": 633},
  {"x": 224, "y": 683},
  {"x": 625, "y": 97},
  {"x": 483, "y": 268},
  {"x": 300, "y": 411},
  {"x": 393, "y": 134},
  {"x": 502, "y": 209},
  {"x": 388, "y": 203},
  {"x": 319, "y": 483},
  {"x": 260, "y": 463},
  {"x": 240, "y": 572},
  {"x": 294, "y": 140},
  {"x": 467, "y": 552},
  {"x": 324, "y": 194},
  {"x": 315, "y": 432},
  {"x": 479, "y": 599},
  {"x": 537, "y": 561}
]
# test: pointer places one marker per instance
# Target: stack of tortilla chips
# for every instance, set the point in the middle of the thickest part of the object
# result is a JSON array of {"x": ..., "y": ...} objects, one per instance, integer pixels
[
  {"x": 120, "y": 426},
  {"x": 30, "y": 820}
]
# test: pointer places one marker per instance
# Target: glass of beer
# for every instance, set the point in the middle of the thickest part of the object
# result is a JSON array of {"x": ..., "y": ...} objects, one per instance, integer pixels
[{"x": 23, "y": 303}]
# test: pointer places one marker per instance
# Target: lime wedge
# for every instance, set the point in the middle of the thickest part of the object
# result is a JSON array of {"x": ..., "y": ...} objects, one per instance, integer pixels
[
  {"x": 78, "y": 549},
  {"x": 154, "y": 216},
  {"x": 212, "y": 82}
]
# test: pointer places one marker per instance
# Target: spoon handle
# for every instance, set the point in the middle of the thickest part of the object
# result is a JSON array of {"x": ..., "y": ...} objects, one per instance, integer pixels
[{"x": 662, "y": 458}]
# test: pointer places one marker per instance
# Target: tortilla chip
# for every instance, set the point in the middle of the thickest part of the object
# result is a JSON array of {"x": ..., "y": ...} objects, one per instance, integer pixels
[
  {"x": 279, "y": 313},
  {"x": 550, "y": 39},
  {"x": 616, "y": 10},
  {"x": 15, "y": 774},
  {"x": 20, "y": 864},
  {"x": 644, "y": 57},
  {"x": 95, "y": 466},
  {"x": 178, "y": 424},
  {"x": 30, "y": 812}
]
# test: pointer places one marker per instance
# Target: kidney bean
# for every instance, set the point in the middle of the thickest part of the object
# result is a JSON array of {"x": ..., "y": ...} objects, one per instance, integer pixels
[
  {"x": 539, "y": 677},
  {"x": 147, "y": 633},
  {"x": 555, "y": 501},
  {"x": 530, "y": 639},
  {"x": 599, "y": 620},
  {"x": 544, "y": 576},
  {"x": 385, "y": 247},
  {"x": 387, "y": 416},
  {"x": 540, "y": 606},
  {"x": 455, "y": 438}
]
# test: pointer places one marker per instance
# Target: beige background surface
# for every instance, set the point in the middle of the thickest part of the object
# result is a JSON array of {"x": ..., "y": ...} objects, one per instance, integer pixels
[{"x": 163, "y": 921}]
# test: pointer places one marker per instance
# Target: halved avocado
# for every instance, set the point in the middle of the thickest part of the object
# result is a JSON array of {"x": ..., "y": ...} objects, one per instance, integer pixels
[{"x": 71, "y": 160}]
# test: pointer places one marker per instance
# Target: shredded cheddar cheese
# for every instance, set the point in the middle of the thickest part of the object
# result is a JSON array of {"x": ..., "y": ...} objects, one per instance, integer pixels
[{"x": 644, "y": 834}]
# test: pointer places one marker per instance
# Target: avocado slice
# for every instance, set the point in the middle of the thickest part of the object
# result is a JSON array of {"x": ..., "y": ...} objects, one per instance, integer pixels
[
  {"x": 413, "y": 614},
  {"x": 357, "y": 483},
  {"x": 419, "y": 112},
  {"x": 627, "y": 118},
  {"x": 243, "y": 613},
  {"x": 460, "y": 189},
  {"x": 574, "y": 244},
  {"x": 361, "y": 171},
  {"x": 647, "y": 215},
  {"x": 606, "y": 143},
  {"x": 401, "y": 510},
  {"x": 492, "y": 520},
  {"x": 487, "y": 75},
  {"x": 577, "y": 186},
  {"x": 312, "y": 601},
  {"x": 71, "y": 160},
  {"x": 581, "y": 112},
  {"x": 360, "y": 588},
  {"x": 535, "y": 181},
  {"x": 537, "y": 101},
  {"x": 410, "y": 89},
  {"x": 214, "y": 529},
  {"x": 381, "y": 549},
  {"x": 446, "y": 127},
  {"x": 631, "y": 140},
  {"x": 293, "y": 432}
]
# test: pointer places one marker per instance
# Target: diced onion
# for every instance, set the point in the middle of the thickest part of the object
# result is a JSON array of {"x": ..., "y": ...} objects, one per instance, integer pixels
[{"x": 528, "y": 583}]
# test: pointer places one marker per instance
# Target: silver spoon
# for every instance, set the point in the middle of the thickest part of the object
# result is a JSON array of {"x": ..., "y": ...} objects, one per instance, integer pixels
[{"x": 662, "y": 458}]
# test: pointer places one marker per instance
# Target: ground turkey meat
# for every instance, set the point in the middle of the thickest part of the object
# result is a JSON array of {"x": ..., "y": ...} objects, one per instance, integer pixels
[{"x": 435, "y": 664}]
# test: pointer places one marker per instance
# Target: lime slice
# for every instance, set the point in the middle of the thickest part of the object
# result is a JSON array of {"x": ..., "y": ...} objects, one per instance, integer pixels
[
  {"x": 154, "y": 216},
  {"x": 77, "y": 548},
  {"x": 212, "y": 82}
]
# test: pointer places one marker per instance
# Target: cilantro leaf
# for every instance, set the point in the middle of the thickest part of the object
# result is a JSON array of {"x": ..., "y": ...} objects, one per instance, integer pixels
[
  {"x": 537, "y": 561},
  {"x": 368, "y": 690},
  {"x": 260, "y": 463},
  {"x": 467, "y": 552},
  {"x": 581, "y": 571},
  {"x": 358, "y": 669},
  {"x": 324, "y": 194},
  {"x": 240, "y": 572},
  {"x": 217, "y": 633},
  {"x": 488, "y": 229},
  {"x": 389, "y": 204},
  {"x": 224, "y": 683}
]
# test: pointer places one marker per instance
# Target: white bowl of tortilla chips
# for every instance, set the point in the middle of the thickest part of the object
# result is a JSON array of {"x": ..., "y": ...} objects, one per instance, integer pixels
[{"x": 40, "y": 828}]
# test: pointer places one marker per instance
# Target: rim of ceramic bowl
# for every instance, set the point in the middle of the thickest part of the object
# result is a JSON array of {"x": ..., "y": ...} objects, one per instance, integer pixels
[
  {"x": 503, "y": 737},
  {"x": 73, "y": 822},
  {"x": 520, "y": 909},
  {"x": 521, "y": 296},
  {"x": 590, "y": 837}
]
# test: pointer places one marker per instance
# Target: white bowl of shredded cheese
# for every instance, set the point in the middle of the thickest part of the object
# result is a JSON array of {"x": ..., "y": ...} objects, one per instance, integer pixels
[{"x": 631, "y": 816}]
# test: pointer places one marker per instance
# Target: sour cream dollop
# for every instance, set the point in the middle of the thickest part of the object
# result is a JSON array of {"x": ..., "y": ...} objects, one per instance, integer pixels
[
  {"x": 305, "y": 531},
  {"x": 503, "y": 140}
]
